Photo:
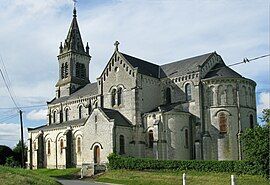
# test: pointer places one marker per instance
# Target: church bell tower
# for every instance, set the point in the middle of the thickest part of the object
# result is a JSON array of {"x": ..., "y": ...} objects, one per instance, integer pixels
[{"x": 73, "y": 62}]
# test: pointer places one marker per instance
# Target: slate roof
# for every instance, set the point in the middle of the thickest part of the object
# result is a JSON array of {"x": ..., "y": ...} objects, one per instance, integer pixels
[
  {"x": 185, "y": 66},
  {"x": 119, "y": 119},
  {"x": 221, "y": 70},
  {"x": 60, "y": 125},
  {"x": 88, "y": 90},
  {"x": 144, "y": 67}
]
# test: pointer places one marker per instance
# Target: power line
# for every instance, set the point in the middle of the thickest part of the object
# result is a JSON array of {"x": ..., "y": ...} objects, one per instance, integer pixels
[
  {"x": 9, "y": 90},
  {"x": 23, "y": 107}
]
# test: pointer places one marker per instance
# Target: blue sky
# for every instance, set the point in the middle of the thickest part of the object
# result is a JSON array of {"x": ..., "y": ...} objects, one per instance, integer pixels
[{"x": 159, "y": 31}]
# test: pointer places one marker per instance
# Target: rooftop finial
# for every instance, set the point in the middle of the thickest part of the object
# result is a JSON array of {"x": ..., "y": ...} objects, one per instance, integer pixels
[
  {"x": 116, "y": 45},
  {"x": 74, "y": 9}
]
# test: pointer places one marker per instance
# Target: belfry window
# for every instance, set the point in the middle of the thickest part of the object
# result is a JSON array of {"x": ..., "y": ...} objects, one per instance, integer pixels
[
  {"x": 80, "y": 112},
  {"x": 49, "y": 147},
  {"x": 251, "y": 121},
  {"x": 222, "y": 123},
  {"x": 151, "y": 138},
  {"x": 66, "y": 114},
  {"x": 80, "y": 70},
  {"x": 66, "y": 70},
  {"x": 188, "y": 92},
  {"x": 168, "y": 96},
  {"x": 122, "y": 144},
  {"x": 119, "y": 96},
  {"x": 63, "y": 71},
  {"x": 113, "y": 97}
]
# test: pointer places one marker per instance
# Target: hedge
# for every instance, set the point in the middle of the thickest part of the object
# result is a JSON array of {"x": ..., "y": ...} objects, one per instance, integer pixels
[{"x": 131, "y": 163}]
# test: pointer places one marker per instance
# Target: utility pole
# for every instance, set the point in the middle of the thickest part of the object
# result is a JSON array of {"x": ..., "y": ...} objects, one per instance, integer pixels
[{"x": 22, "y": 142}]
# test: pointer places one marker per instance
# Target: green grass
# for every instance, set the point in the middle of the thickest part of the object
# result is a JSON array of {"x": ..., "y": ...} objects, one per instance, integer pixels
[
  {"x": 69, "y": 173},
  {"x": 17, "y": 176},
  {"x": 175, "y": 177}
]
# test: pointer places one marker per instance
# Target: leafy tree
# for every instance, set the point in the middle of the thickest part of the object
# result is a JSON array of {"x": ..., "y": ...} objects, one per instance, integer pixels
[
  {"x": 266, "y": 116},
  {"x": 17, "y": 150},
  {"x": 256, "y": 144},
  {"x": 5, "y": 152}
]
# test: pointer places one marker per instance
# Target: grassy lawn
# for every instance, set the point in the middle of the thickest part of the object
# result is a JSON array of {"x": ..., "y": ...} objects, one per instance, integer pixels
[
  {"x": 69, "y": 173},
  {"x": 17, "y": 176},
  {"x": 173, "y": 177}
]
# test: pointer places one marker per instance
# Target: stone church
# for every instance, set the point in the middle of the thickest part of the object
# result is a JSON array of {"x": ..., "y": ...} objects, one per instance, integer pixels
[{"x": 191, "y": 109}]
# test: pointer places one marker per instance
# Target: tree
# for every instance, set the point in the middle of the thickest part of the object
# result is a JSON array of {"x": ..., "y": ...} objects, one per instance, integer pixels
[
  {"x": 18, "y": 152},
  {"x": 5, "y": 152},
  {"x": 256, "y": 145},
  {"x": 266, "y": 116}
]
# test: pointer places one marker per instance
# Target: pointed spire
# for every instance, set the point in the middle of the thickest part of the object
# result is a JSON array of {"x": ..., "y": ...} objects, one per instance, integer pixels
[
  {"x": 87, "y": 48},
  {"x": 73, "y": 42},
  {"x": 61, "y": 47}
]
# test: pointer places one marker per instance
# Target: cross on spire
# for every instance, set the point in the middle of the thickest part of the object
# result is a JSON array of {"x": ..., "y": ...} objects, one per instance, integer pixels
[{"x": 116, "y": 44}]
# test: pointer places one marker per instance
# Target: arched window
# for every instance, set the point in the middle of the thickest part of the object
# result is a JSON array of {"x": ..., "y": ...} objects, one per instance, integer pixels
[
  {"x": 80, "y": 112},
  {"x": 223, "y": 123},
  {"x": 61, "y": 146},
  {"x": 66, "y": 70},
  {"x": 54, "y": 117},
  {"x": 251, "y": 121},
  {"x": 63, "y": 71},
  {"x": 113, "y": 97},
  {"x": 79, "y": 145},
  {"x": 119, "y": 96},
  {"x": 49, "y": 147},
  {"x": 186, "y": 138},
  {"x": 168, "y": 96},
  {"x": 67, "y": 114},
  {"x": 188, "y": 92},
  {"x": 122, "y": 144},
  {"x": 151, "y": 138}
]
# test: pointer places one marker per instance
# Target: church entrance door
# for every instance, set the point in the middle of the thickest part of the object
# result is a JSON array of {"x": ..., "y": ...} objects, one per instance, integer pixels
[{"x": 96, "y": 155}]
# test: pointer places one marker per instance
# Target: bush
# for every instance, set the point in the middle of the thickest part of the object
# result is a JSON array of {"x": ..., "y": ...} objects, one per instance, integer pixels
[
  {"x": 240, "y": 167},
  {"x": 11, "y": 162}
]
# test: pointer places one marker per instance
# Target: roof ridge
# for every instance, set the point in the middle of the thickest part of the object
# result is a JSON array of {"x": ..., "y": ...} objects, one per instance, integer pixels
[
  {"x": 210, "y": 53},
  {"x": 138, "y": 58}
]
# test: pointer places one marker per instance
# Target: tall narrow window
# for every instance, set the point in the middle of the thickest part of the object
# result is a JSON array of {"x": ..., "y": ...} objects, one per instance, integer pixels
[
  {"x": 79, "y": 145},
  {"x": 119, "y": 96},
  {"x": 49, "y": 147},
  {"x": 168, "y": 96},
  {"x": 66, "y": 114},
  {"x": 63, "y": 71},
  {"x": 186, "y": 138},
  {"x": 222, "y": 123},
  {"x": 61, "y": 146},
  {"x": 188, "y": 92},
  {"x": 122, "y": 144},
  {"x": 54, "y": 117},
  {"x": 66, "y": 70},
  {"x": 113, "y": 97},
  {"x": 151, "y": 138},
  {"x": 80, "y": 112},
  {"x": 251, "y": 122}
]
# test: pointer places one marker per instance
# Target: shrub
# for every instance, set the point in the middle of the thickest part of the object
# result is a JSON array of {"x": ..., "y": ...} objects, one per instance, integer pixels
[{"x": 131, "y": 163}]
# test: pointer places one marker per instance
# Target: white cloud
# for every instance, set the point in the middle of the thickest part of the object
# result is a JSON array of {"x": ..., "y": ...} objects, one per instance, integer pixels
[
  {"x": 37, "y": 114},
  {"x": 10, "y": 134},
  {"x": 263, "y": 102}
]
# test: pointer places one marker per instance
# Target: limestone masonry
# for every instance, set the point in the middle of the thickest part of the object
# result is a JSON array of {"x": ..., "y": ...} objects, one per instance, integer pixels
[{"x": 194, "y": 108}]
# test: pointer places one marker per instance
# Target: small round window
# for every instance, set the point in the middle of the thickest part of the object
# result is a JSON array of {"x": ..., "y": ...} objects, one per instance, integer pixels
[{"x": 116, "y": 69}]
